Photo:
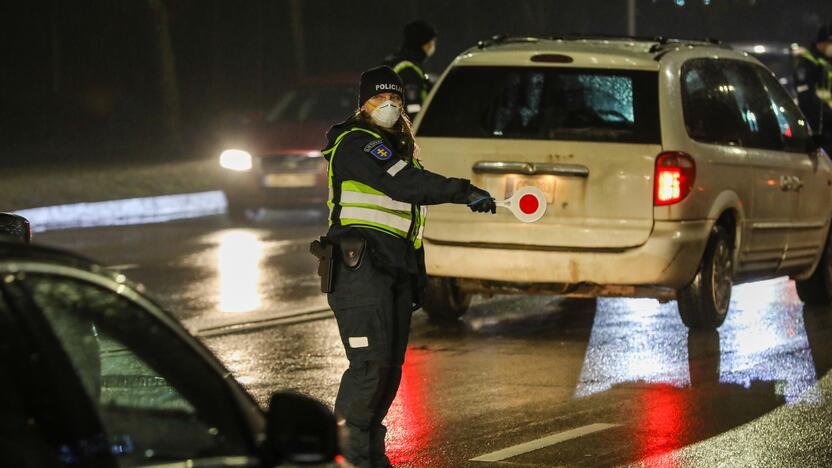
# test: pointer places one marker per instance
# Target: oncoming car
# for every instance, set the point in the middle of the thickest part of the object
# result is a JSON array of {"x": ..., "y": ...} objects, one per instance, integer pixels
[
  {"x": 673, "y": 169},
  {"x": 275, "y": 160},
  {"x": 94, "y": 374}
]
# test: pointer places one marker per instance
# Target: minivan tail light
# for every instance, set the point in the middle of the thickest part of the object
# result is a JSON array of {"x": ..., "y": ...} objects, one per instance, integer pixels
[{"x": 675, "y": 176}]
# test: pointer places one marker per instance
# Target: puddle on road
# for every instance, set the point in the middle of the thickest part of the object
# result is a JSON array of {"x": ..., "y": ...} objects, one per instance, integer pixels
[{"x": 764, "y": 339}]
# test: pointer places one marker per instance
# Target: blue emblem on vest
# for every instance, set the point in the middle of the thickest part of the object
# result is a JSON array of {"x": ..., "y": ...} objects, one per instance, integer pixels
[{"x": 381, "y": 152}]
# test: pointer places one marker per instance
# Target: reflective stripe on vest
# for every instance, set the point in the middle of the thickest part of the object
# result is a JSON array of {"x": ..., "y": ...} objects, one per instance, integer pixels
[
  {"x": 824, "y": 89},
  {"x": 358, "y": 215},
  {"x": 362, "y": 205},
  {"x": 408, "y": 64},
  {"x": 420, "y": 231},
  {"x": 357, "y": 198}
]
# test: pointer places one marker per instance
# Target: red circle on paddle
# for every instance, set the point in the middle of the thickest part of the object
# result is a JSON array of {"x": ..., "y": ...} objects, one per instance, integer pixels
[{"x": 529, "y": 204}]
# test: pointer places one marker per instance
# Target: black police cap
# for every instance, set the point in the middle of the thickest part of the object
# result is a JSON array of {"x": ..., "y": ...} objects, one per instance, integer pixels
[
  {"x": 379, "y": 80},
  {"x": 418, "y": 33}
]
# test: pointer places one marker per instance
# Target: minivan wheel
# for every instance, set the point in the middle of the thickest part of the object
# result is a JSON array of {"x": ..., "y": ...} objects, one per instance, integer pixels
[
  {"x": 817, "y": 290},
  {"x": 703, "y": 304},
  {"x": 443, "y": 301}
]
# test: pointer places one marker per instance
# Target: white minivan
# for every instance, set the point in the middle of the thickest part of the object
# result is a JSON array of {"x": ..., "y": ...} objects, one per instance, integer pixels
[{"x": 673, "y": 169}]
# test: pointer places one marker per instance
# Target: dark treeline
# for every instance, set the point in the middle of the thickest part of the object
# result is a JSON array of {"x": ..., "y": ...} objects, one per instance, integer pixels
[{"x": 122, "y": 76}]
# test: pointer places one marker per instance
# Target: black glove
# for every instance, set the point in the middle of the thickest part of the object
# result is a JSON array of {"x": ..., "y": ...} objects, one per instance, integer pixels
[{"x": 481, "y": 201}]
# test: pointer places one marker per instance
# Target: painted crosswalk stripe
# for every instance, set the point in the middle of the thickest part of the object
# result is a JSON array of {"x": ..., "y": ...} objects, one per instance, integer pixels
[{"x": 543, "y": 442}]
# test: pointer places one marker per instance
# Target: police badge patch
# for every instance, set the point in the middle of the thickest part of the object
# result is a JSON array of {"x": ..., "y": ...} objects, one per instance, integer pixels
[
  {"x": 381, "y": 152},
  {"x": 369, "y": 146}
]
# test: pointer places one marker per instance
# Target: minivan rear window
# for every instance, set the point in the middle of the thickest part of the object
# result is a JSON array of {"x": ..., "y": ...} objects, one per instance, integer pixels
[{"x": 545, "y": 103}]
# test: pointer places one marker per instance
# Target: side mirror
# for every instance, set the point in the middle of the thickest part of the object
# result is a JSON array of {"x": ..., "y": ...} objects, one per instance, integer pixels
[
  {"x": 299, "y": 430},
  {"x": 15, "y": 226}
]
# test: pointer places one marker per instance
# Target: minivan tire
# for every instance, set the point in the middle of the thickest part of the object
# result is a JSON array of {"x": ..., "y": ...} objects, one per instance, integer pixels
[
  {"x": 703, "y": 304},
  {"x": 817, "y": 289},
  {"x": 443, "y": 301}
]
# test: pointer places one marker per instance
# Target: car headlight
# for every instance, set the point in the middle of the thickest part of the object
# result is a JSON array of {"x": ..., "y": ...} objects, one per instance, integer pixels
[{"x": 236, "y": 160}]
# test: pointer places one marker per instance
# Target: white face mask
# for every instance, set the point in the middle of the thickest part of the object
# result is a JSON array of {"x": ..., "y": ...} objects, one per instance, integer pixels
[{"x": 386, "y": 114}]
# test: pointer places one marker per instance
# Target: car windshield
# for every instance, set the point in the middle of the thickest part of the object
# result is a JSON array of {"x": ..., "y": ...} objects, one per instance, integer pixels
[
  {"x": 545, "y": 103},
  {"x": 313, "y": 104}
]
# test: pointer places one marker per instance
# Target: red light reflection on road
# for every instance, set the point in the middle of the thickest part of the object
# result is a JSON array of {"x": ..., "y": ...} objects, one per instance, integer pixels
[
  {"x": 661, "y": 427},
  {"x": 410, "y": 422}
]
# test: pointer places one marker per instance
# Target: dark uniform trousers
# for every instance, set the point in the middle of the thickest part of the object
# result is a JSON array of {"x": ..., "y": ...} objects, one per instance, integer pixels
[{"x": 373, "y": 311}]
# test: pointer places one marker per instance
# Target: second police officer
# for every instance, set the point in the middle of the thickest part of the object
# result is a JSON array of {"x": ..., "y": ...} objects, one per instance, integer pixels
[
  {"x": 419, "y": 44},
  {"x": 813, "y": 81},
  {"x": 378, "y": 194}
]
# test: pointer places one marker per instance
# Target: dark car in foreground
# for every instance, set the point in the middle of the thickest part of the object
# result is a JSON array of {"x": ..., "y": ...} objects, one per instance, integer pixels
[
  {"x": 15, "y": 226},
  {"x": 274, "y": 160},
  {"x": 95, "y": 374}
]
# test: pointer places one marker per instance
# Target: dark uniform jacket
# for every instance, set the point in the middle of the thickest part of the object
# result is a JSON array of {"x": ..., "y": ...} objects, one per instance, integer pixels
[
  {"x": 812, "y": 74},
  {"x": 416, "y": 83},
  {"x": 354, "y": 161}
]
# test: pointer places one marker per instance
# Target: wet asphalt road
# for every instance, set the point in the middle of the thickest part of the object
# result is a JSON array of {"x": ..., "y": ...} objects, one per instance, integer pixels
[{"x": 614, "y": 381}]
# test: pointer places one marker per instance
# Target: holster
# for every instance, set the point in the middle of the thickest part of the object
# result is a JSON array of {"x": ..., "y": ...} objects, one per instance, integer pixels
[
  {"x": 323, "y": 249},
  {"x": 352, "y": 251}
]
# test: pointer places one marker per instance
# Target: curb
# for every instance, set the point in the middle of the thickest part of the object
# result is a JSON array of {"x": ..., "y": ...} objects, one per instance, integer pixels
[{"x": 129, "y": 211}]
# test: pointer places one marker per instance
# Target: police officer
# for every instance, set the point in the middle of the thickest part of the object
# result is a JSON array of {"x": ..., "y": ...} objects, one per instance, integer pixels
[
  {"x": 378, "y": 194},
  {"x": 813, "y": 81},
  {"x": 418, "y": 45}
]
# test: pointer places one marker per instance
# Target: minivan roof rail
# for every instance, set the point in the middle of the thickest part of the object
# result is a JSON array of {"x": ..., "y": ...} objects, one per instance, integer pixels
[
  {"x": 671, "y": 42},
  {"x": 582, "y": 36},
  {"x": 504, "y": 39},
  {"x": 662, "y": 44}
]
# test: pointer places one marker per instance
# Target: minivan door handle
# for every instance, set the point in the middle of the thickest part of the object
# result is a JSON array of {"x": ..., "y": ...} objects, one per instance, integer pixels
[
  {"x": 798, "y": 183},
  {"x": 791, "y": 183},
  {"x": 568, "y": 170},
  {"x": 525, "y": 168}
]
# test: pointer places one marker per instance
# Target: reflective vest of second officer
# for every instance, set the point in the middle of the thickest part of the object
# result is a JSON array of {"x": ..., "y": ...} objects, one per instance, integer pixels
[
  {"x": 813, "y": 81},
  {"x": 419, "y": 43}
]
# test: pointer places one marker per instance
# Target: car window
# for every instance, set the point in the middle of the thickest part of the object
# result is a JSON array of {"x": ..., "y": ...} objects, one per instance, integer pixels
[
  {"x": 794, "y": 131},
  {"x": 711, "y": 114},
  {"x": 760, "y": 123},
  {"x": 23, "y": 439},
  {"x": 157, "y": 399},
  {"x": 314, "y": 104},
  {"x": 545, "y": 104}
]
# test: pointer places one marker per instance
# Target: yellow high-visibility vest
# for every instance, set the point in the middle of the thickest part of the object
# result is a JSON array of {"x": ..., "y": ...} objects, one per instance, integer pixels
[{"x": 364, "y": 206}]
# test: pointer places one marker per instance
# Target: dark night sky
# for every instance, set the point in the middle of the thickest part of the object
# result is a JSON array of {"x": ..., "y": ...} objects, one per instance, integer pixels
[{"x": 86, "y": 71}]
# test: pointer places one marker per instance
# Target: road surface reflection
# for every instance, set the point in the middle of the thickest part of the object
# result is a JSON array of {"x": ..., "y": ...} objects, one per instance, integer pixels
[
  {"x": 239, "y": 259},
  {"x": 763, "y": 340}
]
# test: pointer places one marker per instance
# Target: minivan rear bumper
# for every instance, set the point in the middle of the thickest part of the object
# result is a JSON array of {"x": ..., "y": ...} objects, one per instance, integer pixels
[{"x": 669, "y": 259}]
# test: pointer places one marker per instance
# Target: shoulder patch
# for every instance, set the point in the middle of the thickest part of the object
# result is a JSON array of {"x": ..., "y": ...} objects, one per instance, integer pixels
[
  {"x": 381, "y": 151},
  {"x": 369, "y": 146}
]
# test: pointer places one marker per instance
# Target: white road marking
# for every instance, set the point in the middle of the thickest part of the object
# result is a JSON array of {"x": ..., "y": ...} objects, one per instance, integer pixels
[{"x": 547, "y": 441}]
